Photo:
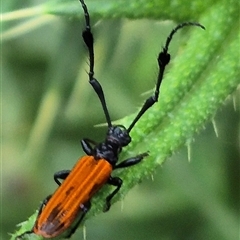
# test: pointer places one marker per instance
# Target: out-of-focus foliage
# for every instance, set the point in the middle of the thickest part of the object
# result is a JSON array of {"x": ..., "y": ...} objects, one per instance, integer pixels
[{"x": 47, "y": 107}]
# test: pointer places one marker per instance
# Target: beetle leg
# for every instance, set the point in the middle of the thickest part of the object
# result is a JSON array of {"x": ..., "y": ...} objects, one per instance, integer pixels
[
  {"x": 44, "y": 202},
  {"x": 86, "y": 146},
  {"x": 115, "y": 181},
  {"x": 61, "y": 175},
  {"x": 131, "y": 161},
  {"x": 84, "y": 208}
]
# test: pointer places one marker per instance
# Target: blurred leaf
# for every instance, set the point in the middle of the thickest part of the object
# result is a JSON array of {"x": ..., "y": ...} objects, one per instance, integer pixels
[{"x": 204, "y": 73}]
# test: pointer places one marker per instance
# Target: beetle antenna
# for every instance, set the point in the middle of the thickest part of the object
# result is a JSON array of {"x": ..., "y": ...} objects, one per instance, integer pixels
[
  {"x": 88, "y": 39},
  {"x": 163, "y": 60}
]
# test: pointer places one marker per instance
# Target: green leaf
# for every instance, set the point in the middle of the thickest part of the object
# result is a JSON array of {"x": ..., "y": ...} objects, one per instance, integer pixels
[{"x": 134, "y": 9}]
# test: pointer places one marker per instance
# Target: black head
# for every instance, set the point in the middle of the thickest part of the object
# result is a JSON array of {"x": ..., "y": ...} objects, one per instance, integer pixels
[
  {"x": 117, "y": 138},
  {"x": 118, "y": 135}
]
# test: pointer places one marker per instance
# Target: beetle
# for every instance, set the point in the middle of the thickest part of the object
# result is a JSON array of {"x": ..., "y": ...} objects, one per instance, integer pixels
[{"x": 72, "y": 199}]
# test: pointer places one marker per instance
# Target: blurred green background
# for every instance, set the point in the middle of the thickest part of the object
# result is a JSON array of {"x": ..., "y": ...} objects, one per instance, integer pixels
[{"x": 48, "y": 107}]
